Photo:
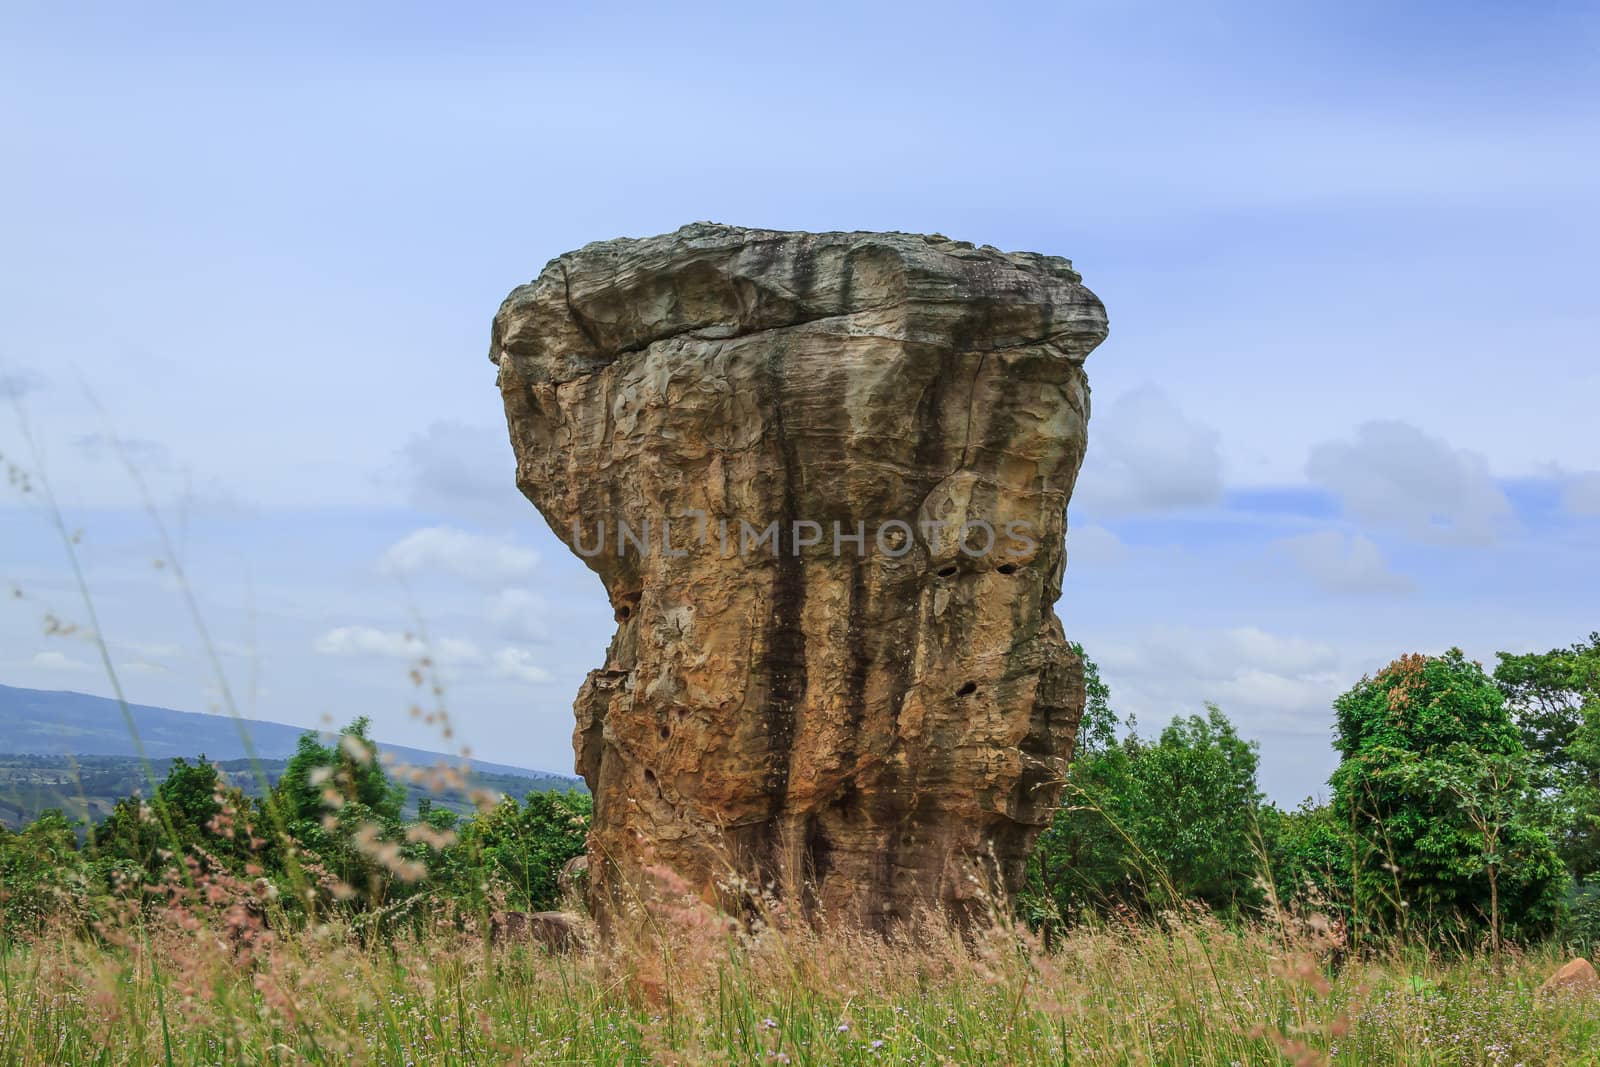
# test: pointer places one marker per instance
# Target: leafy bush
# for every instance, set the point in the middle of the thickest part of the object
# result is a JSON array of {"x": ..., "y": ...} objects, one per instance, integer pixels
[
  {"x": 1436, "y": 786},
  {"x": 43, "y": 875},
  {"x": 1556, "y": 698},
  {"x": 1146, "y": 824},
  {"x": 525, "y": 846},
  {"x": 1582, "y": 928}
]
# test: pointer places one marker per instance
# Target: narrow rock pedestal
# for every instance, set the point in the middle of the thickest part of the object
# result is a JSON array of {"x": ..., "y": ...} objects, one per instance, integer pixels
[{"x": 823, "y": 478}]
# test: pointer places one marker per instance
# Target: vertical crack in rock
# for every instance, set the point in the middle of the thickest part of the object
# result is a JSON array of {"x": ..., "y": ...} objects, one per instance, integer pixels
[{"x": 866, "y": 727}]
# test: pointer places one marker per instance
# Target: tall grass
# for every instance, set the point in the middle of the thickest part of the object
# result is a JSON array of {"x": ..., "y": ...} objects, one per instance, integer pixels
[{"x": 180, "y": 986}]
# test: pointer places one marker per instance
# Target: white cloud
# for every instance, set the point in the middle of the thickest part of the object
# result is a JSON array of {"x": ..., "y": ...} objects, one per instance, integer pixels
[
  {"x": 1395, "y": 475},
  {"x": 1094, "y": 545},
  {"x": 141, "y": 667},
  {"x": 369, "y": 641},
  {"x": 1269, "y": 651},
  {"x": 519, "y": 615},
  {"x": 472, "y": 557},
  {"x": 455, "y": 468},
  {"x": 1264, "y": 681},
  {"x": 1580, "y": 495},
  {"x": 58, "y": 661},
  {"x": 1341, "y": 563},
  {"x": 518, "y": 663},
  {"x": 1144, "y": 455},
  {"x": 1251, "y": 687},
  {"x": 149, "y": 649}
]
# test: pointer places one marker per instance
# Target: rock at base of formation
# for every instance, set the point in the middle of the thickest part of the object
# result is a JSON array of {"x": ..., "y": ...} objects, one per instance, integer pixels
[
  {"x": 823, "y": 478},
  {"x": 555, "y": 930},
  {"x": 1575, "y": 976}
]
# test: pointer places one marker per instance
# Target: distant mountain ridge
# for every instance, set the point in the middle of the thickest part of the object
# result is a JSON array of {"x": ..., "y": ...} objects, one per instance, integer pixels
[{"x": 60, "y": 722}]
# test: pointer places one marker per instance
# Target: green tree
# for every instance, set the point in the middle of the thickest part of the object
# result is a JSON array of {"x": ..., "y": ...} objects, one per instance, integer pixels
[
  {"x": 1555, "y": 697},
  {"x": 1309, "y": 857},
  {"x": 342, "y": 811},
  {"x": 321, "y": 777},
  {"x": 1548, "y": 692},
  {"x": 525, "y": 846},
  {"x": 1142, "y": 821},
  {"x": 1084, "y": 862},
  {"x": 189, "y": 793},
  {"x": 1448, "y": 835},
  {"x": 183, "y": 812},
  {"x": 1097, "y": 730},
  {"x": 1199, "y": 810},
  {"x": 42, "y": 874}
]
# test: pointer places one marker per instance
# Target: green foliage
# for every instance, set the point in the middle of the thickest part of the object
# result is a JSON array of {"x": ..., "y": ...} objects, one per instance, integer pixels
[
  {"x": 42, "y": 874},
  {"x": 1144, "y": 823},
  {"x": 1439, "y": 825},
  {"x": 525, "y": 846},
  {"x": 184, "y": 812},
  {"x": 344, "y": 814},
  {"x": 1308, "y": 855},
  {"x": 1199, "y": 810},
  {"x": 346, "y": 842},
  {"x": 1555, "y": 696},
  {"x": 1435, "y": 788},
  {"x": 321, "y": 776},
  {"x": 1548, "y": 692},
  {"x": 1582, "y": 928},
  {"x": 1097, "y": 730},
  {"x": 1083, "y": 863}
]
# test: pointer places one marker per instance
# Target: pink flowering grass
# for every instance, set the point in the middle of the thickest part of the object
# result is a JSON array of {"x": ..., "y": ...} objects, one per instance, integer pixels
[{"x": 203, "y": 979}]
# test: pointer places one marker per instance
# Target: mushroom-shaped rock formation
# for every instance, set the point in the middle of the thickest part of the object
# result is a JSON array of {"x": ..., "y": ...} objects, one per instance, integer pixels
[{"x": 824, "y": 479}]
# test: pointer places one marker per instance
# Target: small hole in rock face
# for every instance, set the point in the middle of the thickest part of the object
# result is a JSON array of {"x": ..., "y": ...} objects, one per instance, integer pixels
[
  {"x": 1007, "y": 568},
  {"x": 967, "y": 690},
  {"x": 649, "y": 777},
  {"x": 624, "y": 613},
  {"x": 666, "y": 732},
  {"x": 947, "y": 572}
]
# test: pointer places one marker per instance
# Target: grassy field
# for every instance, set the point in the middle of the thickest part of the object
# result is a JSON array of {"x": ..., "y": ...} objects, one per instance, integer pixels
[{"x": 181, "y": 988}]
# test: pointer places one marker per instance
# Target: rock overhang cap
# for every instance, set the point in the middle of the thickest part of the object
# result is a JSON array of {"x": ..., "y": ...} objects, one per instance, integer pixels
[{"x": 714, "y": 281}]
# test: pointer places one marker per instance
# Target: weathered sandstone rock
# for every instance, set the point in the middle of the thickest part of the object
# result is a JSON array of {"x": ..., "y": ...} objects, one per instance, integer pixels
[
  {"x": 574, "y": 873},
  {"x": 1576, "y": 975},
  {"x": 864, "y": 726},
  {"x": 555, "y": 930}
]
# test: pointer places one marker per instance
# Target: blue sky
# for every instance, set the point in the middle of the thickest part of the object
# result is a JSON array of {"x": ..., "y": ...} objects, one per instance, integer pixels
[{"x": 1346, "y": 409}]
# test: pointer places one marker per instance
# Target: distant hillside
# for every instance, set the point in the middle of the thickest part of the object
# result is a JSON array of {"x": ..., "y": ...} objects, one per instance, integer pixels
[
  {"x": 86, "y": 788},
  {"x": 58, "y": 722},
  {"x": 80, "y": 757}
]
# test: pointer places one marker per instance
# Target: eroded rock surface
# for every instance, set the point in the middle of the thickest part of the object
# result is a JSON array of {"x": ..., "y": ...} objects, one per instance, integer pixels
[
  {"x": 864, "y": 727},
  {"x": 1575, "y": 976}
]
